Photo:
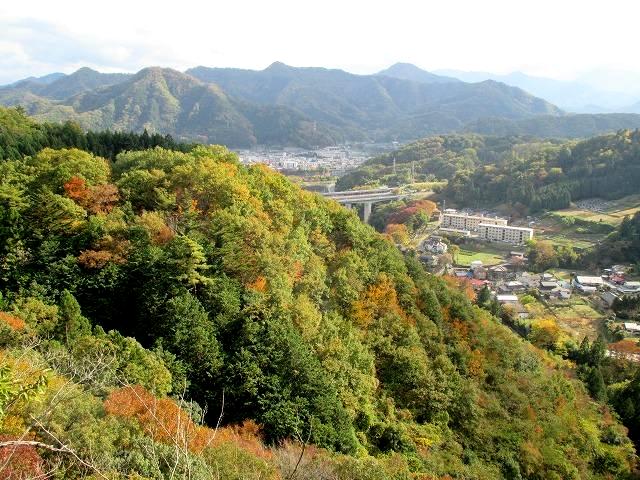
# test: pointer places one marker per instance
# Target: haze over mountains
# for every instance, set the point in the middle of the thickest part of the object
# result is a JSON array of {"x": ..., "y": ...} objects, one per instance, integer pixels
[
  {"x": 590, "y": 93},
  {"x": 283, "y": 105}
]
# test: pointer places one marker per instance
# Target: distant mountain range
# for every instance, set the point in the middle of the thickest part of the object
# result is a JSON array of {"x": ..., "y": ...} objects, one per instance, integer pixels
[
  {"x": 585, "y": 95},
  {"x": 284, "y": 105}
]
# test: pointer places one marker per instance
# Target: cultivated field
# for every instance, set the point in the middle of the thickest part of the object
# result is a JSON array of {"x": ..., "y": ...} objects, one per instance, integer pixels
[{"x": 578, "y": 317}]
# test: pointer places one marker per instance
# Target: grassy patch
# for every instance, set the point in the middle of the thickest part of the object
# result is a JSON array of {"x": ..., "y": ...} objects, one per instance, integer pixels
[
  {"x": 578, "y": 318},
  {"x": 588, "y": 215},
  {"x": 465, "y": 257},
  {"x": 561, "y": 273}
]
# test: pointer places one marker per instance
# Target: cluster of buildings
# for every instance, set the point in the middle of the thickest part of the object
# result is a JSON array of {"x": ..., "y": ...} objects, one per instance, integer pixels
[
  {"x": 335, "y": 161},
  {"x": 493, "y": 229}
]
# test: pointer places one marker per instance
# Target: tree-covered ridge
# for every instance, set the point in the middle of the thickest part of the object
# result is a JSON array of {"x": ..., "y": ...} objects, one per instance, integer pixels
[
  {"x": 551, "y": 176},
  {"x": 168, "y": 101},
  {"x": 623, "y": 245},
  {"x": 521, "y": 171},
  {"x": 279, "y": 105},
  {"x": 287, "y": 308},
  {"x": 20, "y": 136},
  {"x": 435, "y": 157}
]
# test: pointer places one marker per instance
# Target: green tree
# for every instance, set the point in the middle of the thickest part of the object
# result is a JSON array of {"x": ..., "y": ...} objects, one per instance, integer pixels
[{"x": 74, "y": 324}]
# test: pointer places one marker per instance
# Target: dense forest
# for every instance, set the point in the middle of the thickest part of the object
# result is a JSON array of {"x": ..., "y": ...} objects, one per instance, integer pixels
[
  {"x": 623, "y": 245},
  {"x": 526, "y": 173},
  {"x": 21, "y": 136},
  {"x": 172, "y": 314}
]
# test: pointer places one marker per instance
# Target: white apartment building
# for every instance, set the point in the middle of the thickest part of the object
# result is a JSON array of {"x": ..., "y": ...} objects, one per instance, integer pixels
[
  {"x": 504, "y": 233},
  {"x": 463, "y": 221}
]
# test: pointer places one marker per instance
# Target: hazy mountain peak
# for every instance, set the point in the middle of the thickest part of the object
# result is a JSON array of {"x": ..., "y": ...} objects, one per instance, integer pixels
[
  {"x": 155, "y": 70},
  {"x": 278, "y": 66},
  {"x": 43, "y": 80},
  {"x": 408, "y": 71},
  {"x": 85, "y": 71}
]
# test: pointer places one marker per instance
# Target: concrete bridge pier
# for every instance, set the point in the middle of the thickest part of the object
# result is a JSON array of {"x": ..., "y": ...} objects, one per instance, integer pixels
[
  {"x": 367, "y": 211},
  {"x": 348, "y": 205}
]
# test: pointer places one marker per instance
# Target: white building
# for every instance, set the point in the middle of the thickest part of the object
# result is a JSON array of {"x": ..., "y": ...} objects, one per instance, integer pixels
[
  {"x": 586, "y": 281},
  {"x": 629, "y": 288},
  {"x": 632, "y": 327},
  {"x": 505, "y": 233},
  {"x": 435, "y": 246},
  {"x": 464, "y": 221},
  {"x": 507, "y": 299}
]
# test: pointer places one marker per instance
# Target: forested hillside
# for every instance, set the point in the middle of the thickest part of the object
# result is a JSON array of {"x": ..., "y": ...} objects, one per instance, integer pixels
[
  {"x": 623, "y": 245},
  {"x": 284, "y": 105},
  {"x": 21, "y": 136},
  {"x": 279, "y": 105},
  {"x": 525, "y": 172},
  {"x": 321, "y": 349}
]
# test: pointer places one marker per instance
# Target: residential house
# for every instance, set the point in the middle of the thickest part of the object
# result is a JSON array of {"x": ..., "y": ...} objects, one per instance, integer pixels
[
  {"x": 507, "y": 299},
  {"x": 608, "y": 298},
  {"x": 587, "y": 284},
  {"x": 629, "y": 288},
  {"x": 632, "y": 327},
  {"x": 480, "y": 273},
  {"x": 498, "y": 272}
]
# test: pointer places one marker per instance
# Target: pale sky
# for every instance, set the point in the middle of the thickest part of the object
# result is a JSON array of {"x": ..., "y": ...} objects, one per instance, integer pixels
[{"x": 553, "y": 38}]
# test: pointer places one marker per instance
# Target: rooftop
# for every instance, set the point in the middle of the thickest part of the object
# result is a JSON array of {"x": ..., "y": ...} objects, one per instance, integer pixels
[
  {"x": 586, "y": 280},
  {"x": 507, "y": 227}
]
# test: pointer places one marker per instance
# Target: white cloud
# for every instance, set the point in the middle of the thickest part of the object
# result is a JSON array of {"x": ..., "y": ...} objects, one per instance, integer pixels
[{"x": 546, "y": 37}]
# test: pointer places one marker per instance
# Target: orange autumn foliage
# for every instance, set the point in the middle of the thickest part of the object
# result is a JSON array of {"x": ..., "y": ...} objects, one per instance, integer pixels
[
  {"x": 625, "y": 347},
  {"x": 102, "y": 198},
  {"x": 461, "y": 284},
  {"x": 166, "y": 422},
  {"x": 298, "y": 270},
  {"x": 476, "y": 364},
  {"x": 76, "y": 189},
  {"x": 417, "y": 206},
  {"x": 259, "y": 284},
  {"x": 96, "y": 199},
  {"x": 161, "y": 419},
  {"x": 378, "y": 300},
  {"x": 245, "y": 436},
  {"x": 397, "y": 232},
  {"x": 12, "y": 321},
  {"x": 460, "y": 328},
  {"x": 108, "y": 249},
  {"x": 18, "y": 462}
]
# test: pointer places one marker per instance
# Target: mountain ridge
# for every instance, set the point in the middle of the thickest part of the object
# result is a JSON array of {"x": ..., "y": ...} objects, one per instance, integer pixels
[{"x": 280, "y": 105}]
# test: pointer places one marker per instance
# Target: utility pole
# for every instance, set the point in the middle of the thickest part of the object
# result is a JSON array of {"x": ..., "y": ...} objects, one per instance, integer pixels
[{"x": 394, "y": 164}]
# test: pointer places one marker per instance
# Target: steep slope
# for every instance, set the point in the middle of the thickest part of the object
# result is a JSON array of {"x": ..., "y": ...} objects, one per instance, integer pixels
[
  {"x": 167, "y": 101},
  {"x": 285, "y": 309},
  {"x": 407, "y": 71}
]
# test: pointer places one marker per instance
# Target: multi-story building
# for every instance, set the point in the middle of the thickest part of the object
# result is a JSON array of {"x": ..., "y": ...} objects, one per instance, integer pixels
[
  {"x": 463, "y": 221},
  {"x": 504, "y": 233}
]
